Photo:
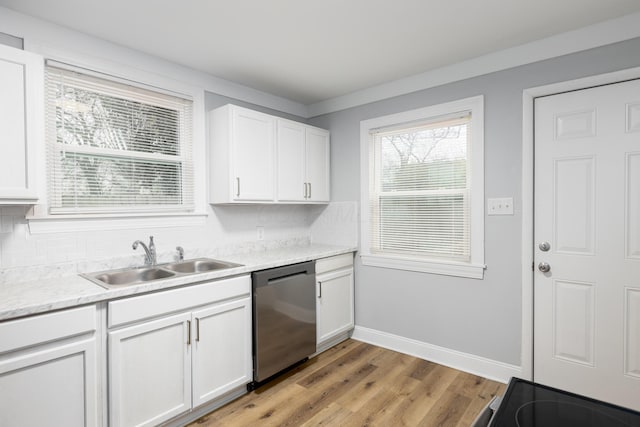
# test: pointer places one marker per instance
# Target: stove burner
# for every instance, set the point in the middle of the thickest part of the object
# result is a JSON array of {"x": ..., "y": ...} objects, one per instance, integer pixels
[
  {"x": 527, "y": 404},
  {"x": 552, "y": 413}
]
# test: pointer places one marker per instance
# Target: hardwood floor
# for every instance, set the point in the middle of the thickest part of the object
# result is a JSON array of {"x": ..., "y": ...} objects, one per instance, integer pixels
[{"x": 357, "y": 384}]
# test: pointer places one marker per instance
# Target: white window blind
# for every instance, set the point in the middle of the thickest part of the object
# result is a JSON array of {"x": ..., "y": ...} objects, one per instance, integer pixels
[
  {"x": 116, "y": 148},
  {"x": 419, "y": 189}
]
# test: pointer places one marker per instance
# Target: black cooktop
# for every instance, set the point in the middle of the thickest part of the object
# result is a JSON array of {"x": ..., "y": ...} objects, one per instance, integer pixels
[{"x": 526, "y": 404}]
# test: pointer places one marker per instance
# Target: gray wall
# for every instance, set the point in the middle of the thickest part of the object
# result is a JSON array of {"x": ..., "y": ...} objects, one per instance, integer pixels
[{"x": 480, "y": 317}]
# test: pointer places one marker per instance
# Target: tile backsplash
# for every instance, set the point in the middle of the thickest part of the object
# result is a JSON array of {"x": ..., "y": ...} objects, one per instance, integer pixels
[{"x": 228, "y": 229}]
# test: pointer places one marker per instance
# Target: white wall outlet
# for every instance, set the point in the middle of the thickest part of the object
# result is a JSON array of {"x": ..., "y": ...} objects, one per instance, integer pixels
[
  {"x": 260, "y": 232},
  {"x": 501, "y": 206}
]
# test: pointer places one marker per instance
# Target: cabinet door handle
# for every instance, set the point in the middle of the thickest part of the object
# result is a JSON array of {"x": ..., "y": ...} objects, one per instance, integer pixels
[
  {"x": 188, "y": 332},
  {"x": 197, "y": 329},
  {"x": 309, "y": 191},
  {"x": 319, "y": 289},
  {"x": 237, "y": 186}
]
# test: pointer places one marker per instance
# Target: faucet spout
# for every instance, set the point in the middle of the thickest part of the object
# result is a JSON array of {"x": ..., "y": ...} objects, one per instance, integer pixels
[{"x": 150, "y": 251}]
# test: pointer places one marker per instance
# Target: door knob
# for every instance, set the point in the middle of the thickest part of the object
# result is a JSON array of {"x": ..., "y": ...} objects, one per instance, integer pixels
[
  {"x": 544, "y": 267},
  {"x": 544, "y": 246}
]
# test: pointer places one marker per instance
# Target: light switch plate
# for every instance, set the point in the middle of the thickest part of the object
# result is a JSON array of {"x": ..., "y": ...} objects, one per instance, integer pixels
[{"x": 500, "y": 206}]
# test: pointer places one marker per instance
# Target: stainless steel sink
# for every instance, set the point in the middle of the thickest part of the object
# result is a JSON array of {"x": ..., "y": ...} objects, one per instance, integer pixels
[
  {"x": 134, "y": 276},
  {"x": 199, "y": 265},
  {"x": 128, "y": 277}
]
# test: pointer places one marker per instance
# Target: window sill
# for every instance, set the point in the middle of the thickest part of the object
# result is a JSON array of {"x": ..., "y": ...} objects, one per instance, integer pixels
[
  {"x": 69, "y": 223},
  {"x": 450, "y": 268}
]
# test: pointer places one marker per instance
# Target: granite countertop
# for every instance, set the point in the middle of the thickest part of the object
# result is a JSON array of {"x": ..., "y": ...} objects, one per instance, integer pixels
[{"x": 38, "y": 296}]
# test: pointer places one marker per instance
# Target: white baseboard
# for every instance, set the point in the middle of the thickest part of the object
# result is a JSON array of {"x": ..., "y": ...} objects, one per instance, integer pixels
[{"x": 481, "y": 366}]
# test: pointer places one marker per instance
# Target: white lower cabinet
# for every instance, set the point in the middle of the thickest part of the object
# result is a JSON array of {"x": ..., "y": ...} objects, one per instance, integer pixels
[
  {"x": 221, "y": 350},
  {"x": 150, "y": 372},
  {"x": 48, "y": 370},
  {"x": 334, "y": 302},
  {"x": 164, "y": 367}
]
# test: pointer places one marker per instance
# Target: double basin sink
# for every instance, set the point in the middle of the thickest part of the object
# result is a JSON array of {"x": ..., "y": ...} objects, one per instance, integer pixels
[{"x": 134, "y": 276}]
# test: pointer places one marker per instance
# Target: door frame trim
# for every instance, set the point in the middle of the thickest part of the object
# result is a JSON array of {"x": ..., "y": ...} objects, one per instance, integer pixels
[{"x": 528, "y": 97}]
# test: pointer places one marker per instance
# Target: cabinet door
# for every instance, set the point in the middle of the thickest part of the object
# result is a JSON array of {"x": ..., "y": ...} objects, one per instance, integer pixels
[
  {"x": 50, "y": 386},
  {"x": 317, "y": 162},
  {"x": 150, "y": 371},
  {"x": 253, "y": 139},
  {"x": 222, "y": 349},
  {"x": 291, "y": 164},
  {"x": 21, "y": 123},
  {"x": 334, "y": 303}
]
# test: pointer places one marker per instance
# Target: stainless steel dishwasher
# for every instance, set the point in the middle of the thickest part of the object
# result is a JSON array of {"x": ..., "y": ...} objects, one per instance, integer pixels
[{"x": 284, "y": 318}]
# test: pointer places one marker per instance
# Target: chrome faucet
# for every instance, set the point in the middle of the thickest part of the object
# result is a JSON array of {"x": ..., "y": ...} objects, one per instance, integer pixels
[
  {"x": 180, "y": 253},
  {"x": 150, "y": 251}
]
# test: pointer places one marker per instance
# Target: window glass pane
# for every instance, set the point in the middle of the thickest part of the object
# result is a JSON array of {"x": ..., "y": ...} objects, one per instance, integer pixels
[
  {"x": 424, "y": 225},
  {"x": 420, "y": 201},
  {"x": 427, "y": 159},
  {"x": 115, "y": 147},
  {"x": 89, "y": 181},
  {"x": 86, "y": 118}
]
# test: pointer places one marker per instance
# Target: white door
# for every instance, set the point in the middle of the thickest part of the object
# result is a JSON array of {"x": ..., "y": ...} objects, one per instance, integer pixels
[
  {"x": 317, "y": 163},
  {"x": 587, "y": 208},
  {"x": 253, "y": 155},
  {"x": 54, "y": 386},
  {"x": 21, "y": 122},
  {"x": 334, "y": 303},
  {"x": 150, "y": 371},
  {"x": 222, "y": 349},
  {"x": 291, "y": 167}
]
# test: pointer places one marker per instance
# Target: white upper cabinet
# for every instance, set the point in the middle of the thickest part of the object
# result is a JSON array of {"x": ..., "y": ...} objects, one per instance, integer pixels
[
  {"x": 317, "y": 164},
  {"x": 259, "y": 158},
  {"x": 242, "y": 144},
  {"x": 303, "y": 163},
  {"x": 21, "y": 123},
  {"x": 291, "y": 167}
]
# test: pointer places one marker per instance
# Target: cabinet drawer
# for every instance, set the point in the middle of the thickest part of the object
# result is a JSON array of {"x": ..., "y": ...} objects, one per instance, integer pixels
[
  {"x": 21, "y": 333},
  {"x": 160, "y": 303},
  {"x": 333, "y": 263}
]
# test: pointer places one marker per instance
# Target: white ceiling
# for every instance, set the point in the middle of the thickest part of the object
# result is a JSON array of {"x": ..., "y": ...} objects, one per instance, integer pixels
[{"x": 310, "y": 51}]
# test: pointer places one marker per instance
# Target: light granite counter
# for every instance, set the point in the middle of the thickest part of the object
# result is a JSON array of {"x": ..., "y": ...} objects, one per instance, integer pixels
[{"x": 18, "y": 299}]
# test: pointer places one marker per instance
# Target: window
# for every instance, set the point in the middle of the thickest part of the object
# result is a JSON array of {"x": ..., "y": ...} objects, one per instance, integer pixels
[
  {"x": 423, "y": 198},
  {"x": 115, "y": 148}
]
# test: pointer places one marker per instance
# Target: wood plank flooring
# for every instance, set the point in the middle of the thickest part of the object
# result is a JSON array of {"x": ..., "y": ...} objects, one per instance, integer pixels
[{"x": 357, "y": 384}]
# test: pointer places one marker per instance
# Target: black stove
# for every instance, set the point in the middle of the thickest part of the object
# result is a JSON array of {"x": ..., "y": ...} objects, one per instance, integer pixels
[{"x": 527, "y": 404}]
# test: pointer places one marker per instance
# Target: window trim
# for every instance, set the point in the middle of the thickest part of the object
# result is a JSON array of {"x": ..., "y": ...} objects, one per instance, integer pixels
[
  {"x": 38, "y": 217},
  {"x": 475, "y": 267}
]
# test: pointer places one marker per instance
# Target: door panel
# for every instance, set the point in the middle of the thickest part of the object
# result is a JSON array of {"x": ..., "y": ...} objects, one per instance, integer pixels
[
  {"x": 21, "y": 123},
  {"x": 317, "y": 162},
  {"x": 574, "y": 205},
  {"x": 632, "y": 196},
  {"x": 573, "y": 322},
  {"x": 150, "y": 372},
  {"x": 632, "y": 328},
  {"x": 54, "y": 387},
  {"x": 291, "y": 167},
  {"x": 254, "y": 139},
  {"x": 633, "y": 117},
  {"x": 587, "y": 206},
  {"x": 222, "y": 350}
]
